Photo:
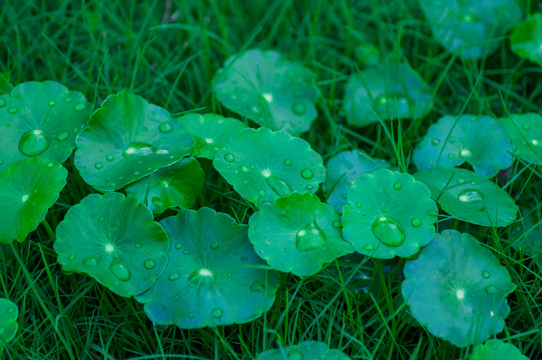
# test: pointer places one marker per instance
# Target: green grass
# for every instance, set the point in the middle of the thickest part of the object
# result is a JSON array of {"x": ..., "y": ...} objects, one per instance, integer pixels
[{"x": 167, "y": 52}]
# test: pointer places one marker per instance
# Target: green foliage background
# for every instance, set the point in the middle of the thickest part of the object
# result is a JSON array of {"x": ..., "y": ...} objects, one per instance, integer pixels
[{"x": 167, "y": 52}]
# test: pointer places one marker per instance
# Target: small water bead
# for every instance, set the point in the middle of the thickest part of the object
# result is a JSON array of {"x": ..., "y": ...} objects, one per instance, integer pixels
[
  {"x": 525, "y": 127},
  {"x": 52, "y": 103},
  {"x": 165, "y": 127},
  {"x": 79, "y": 106},
  {"x": 469, "y": 17},
  {"x": 358, "y": 204},
  {"x": 470, "y": 196},
  {"x": 101, "y": 219},
  {"x": 311, "y": 237},
  {"x": 63, "y": 136},
  {"x": 110, "y": 157},
  {"x": 451, "y": 139},
  {"x": 299, "y": 108},
  {"x": 465, "y": 153},
  {"x": 416, "y": 222},
  {"x": 491, "y": 290},
  {"x": 288, "y": 162},
  {"x": 68, "y": 100},
  {"x": 244, "y": 169},
  {"x": 486, "y": 275},
  {"x": 138, "y": 245},
  {"x": 149, "y": 264},
  {"x": 451, "y": 156},
  {"x": 214, "y": 246},
  {"x": 2, "y": 102},
  {"x": 257, "y": 286},
  {"x": 33, "y": 142},
  {"x": 186, "y": 252},
  {"x": 217, "y": 313},
  {"x": 307, "y": 173},
  {"x": 90, "y": 261},
  {"x": 178, "y": 246},
  {"x": 71, "y": 257},
  {"x": 174, "y": 276},
  {"x": 98, "y": 165},
  {"x": 397, "y": 186},
  {"x": 336, "y": 224},
  {"x": 12, "y": 110},
  {"x": 279, "y": 186},
  {"x": 262, "y": 193},
  {"x": 435, "y": 142},
  {"x": 120, "y": 270},
  {"x": 229, "y": 157},
  {"x": 295, "y": 355},
  {"x": 388, "y": 231}
]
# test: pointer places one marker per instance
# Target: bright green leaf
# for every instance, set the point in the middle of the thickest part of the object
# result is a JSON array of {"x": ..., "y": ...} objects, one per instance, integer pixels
[
  {"x": 8, "y": 322},
  {"x": 297, "y": 234},
  {"x": 457, "y": 289},
  {"x": 115, "y": 240},
  {"x": 469, "y": 197},
  {"x": 126, "y": 139},
  {"x": 495, "y": 349},
  {"x": 526, "y": 39},
  {"x": 213, "y": 277},
  {"x": 28, "y": 188},
  {"x": 525, "y": 130},
  {"x": 306, "y": 350},
  {"x": 268, "y": 89},
  {"x": 388, "y": 214},
  {"x": 40, "y": 119}
]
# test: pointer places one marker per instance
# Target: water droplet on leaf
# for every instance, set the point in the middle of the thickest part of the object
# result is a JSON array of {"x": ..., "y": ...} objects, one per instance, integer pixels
[
  {"x": 174, "y": 276},
  {"x": 149, "y": 264},
  {"x": 165, "y": 127},
  {"x": 79, "y": 106},
  {"x": 63, "y": 136},
  {"x": 217, "y": 313},
  {"x": 120, "y": 270},
  {"x": 470, "y": 196},
  {"x": 33, "y": 143},
  {"x": 311, "y": 237},
  {"x": 307, "y": 173},
  {"x": 388, "y": 231},
  {"x": 279, "y": 186},
  {"x": 229, "y": 157},
  {"x": 298, "y": 108}
]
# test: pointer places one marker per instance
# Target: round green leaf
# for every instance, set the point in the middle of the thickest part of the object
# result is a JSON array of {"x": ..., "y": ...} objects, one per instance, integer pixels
[
  {"x": 471, "y": 28},
  {"x": 496, "y": 350},
  {"x": 342, "y": 170},
  {"x": 525, "y": 130},
  {"x": 526, "y": 39},
  {"x": 175, "y": 185},
  {"x": 8, "y": 322},
  {"x": 40, "y": 119},
  {"x": 115, "y": 240},
  {"x": 268, "y": 89},
  {"x": 126, "y": 139},
  {"x": 469, "y": 197},
  {"x": 297, "y": 234},
  {"x": 305, "y": 350},
  {"x": 386, "y": 92},
  {"x": 28, "y": 188},
  {"x": 213, "y": 277},
  {"x": 388, "y": 214},
  {"x": 454, "y": 140},
  {"x": 263, "y": 165},
  {"x": 211, "y": 132},
  {"x": 457, "y": 289}
]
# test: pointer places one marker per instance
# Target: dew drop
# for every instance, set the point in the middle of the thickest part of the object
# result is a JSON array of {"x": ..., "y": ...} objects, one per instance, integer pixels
[
  {"x": 359, "y": 204},
  {"x": 110, "y": 157},
  {"x": 165, "y": 127},
  {"x": 12, "y": 110},
  {"x": 311, "y": 237},
  {"x": 298, "y": 108},
  {"x": 451, "y": 139},
  {"x": 120, "y": 270},
  {"x": 98, "y": 165},
  {"x": 139, "y": 149},
  {"x": 214, "y": 246},
  {"x": 101, "y": 219},
  {"x": 71, "y": 257},
  {"x": 336, "y": 224},
  {"x": 257, "y": 286},
  {"x": 451, "y": 156},
  {"x": 262, "y": 193},
  {"x": 295, "y": 355},
  {"x": 288, "y": 162},
  {"x": 63, "y": 136},
  {"x": 244, "y": 169},
  {"x": 2, "y": 102},
  {"x": 217, "y": 313},
  {"x": 52, "y": 103},
  {"x": 185, "y": 252},
  {"x": 486, "y": 275},
  {"x": 138, "y": 245},
  {"x": 149, "y": 264},
  {"x": 307, "y": 173},
  {"x": 435, "y": 142},
  {"x": 33, "y": 142},
  {"x": 491, "y": 290},
  {"x": 279, "y": 186},
  {"x": 178, "y": 246},
  {"x": 79, "y": 106},
  {"x": 525, "y": 127},
  {"x": 69, "y": 100},
  {"x": 174, "y": 276},
  {"x": 397, "y": 186},
  {"x": 388, "y": 231},
  {"x": 470, "y": 196},
  {"x": 90, "y": 261},
  {"x": 229, "y": 157},
  {"x": 416, "y": 222}
]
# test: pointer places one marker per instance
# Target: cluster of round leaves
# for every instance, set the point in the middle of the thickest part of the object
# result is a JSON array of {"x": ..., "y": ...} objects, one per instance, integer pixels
[
  {"x": 8, "y": 322},
  {"x": 304, "y": 350}
]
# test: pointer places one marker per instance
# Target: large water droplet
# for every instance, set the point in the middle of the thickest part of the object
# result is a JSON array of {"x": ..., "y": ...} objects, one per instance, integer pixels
[
  {"x": 149, "y": 264},
  {"x": 63, "y": 136},
  {"x": 90, "y": 261},
  {"x": 79, "y": 106},
  {"x": 217, "y": 313},
  {"x": 52, "y": 103},
  {"x": 174, "y": 276},
  {"x": 397, "y": 186},
  {"x": 311, "y": 237},
  {"x": 33, "y": 142},
  {"x": 287, "y": 162},
  {"x": 279, "y": 186},
  {"x": 139, "y": 149},
  {"x": 416, "y": 222},
  {"x": 229, "y": 157},
  {"x": 298, "y": 108},
  {"x": 307, "y": 173},
  {"x": 110, "y": 157},
  {"x": 388, "y": 231},
  {"x": 470, "y": 196},
  {"x": 491, "y": 289},
  {"x": 435, "y": 142},
  {"x": 2, "y": 102},
  {"x": 12, "y": 110},
  {"x": 120, "y": 270},
  {"x": 257, "y": 286},
  {"x": 165, "y": 127}
]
